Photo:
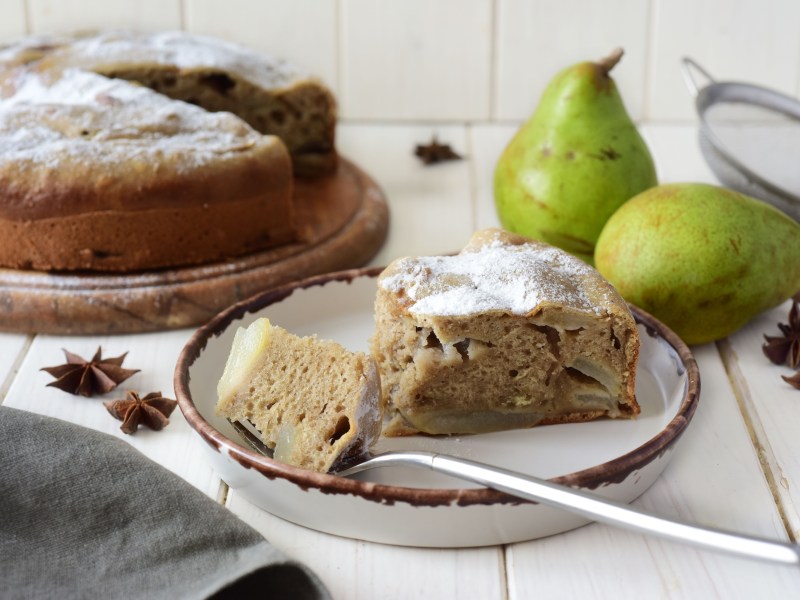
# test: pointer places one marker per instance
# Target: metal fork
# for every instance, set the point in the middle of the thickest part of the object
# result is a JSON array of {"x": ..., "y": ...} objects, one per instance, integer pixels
[{"x": 573, "y": 500}]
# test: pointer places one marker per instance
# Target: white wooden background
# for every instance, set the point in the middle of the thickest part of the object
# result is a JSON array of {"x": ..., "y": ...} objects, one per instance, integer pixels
[
  {"x": 469, "y": 60},
  {"x": 736, "y": 467}
]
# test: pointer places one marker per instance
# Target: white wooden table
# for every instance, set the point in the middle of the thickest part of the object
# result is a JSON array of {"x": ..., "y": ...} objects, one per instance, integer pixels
[{"x": 737, "y": 467}]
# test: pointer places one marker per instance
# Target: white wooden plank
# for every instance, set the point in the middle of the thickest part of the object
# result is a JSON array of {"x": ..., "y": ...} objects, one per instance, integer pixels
[
  {"x": 279, "y": 27},
  {"x": 772, "y": 407},
  {"x": 12, "y": 23},
  {"x": 354, "y": 569},
  {"x": 537, "y": 39},
  {"x": 430, "y": 207},
  {"x": 487, "y": 143},
  {"x": 734, "y": 40},
  {"x": 715, "y": 479},
  {"x": 416, "y": 59},
  {"x": 676, "y": 152},
  {"x": 48, "y": 16},
  {"x": 13, "y": 347},
  {"x": 176, "y": 447}
]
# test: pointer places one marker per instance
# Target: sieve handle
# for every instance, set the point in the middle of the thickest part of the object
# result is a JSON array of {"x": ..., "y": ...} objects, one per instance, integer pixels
[{"x": 689, "y": 69}]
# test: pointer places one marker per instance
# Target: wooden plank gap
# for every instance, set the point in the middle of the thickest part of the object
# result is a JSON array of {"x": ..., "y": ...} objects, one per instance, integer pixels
[
  {"x": 26, "y": 12},
  {"x": 12, "y": 373},
  {"x": 493, "y": 60},
  {"x": 651, "y": 14},
  {"x": 222, "y": 493},
  {"x": 182, "y": 9},
  {"x": 338, "y": 37},
  {"x": 504, "y": 574},
  {"x": 758, "y": 436}
]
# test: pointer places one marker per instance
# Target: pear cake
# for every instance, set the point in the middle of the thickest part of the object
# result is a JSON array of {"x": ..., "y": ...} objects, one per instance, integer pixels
[
  {"x": 124, "y": 152},
  {"x": 509, "y": 333},
  {"x": 101, "y": 174},
  {"x": 315, "y": 403}
]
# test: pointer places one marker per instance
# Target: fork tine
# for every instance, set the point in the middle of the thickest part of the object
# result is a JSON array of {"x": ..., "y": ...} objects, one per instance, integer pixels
[{"x": 251, "y": 439}]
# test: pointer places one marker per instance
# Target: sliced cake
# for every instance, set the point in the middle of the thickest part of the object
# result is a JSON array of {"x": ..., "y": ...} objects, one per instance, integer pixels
[
  {"x": 315, "y": 403},
  {"x": 509, "y": 333},
  {"x": 105, "y": 175}
]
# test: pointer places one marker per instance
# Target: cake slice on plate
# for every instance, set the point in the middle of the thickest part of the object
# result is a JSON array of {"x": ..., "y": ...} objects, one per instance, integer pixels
[
  {"x": 315, "y": 403},
  {"x": 509, "y": 333}
]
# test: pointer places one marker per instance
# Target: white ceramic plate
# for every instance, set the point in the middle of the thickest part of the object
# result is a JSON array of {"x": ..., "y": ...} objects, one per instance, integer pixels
[{"x": 618, "y": 459}]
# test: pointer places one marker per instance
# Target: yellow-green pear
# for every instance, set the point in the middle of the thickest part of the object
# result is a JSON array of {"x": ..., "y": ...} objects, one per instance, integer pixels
[
  {"x": 701, "y": 258},
  {"x": 574, "y": 162}
]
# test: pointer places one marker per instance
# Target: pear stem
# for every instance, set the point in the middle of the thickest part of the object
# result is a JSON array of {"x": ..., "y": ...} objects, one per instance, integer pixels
[{"x": 608, "y": 63}]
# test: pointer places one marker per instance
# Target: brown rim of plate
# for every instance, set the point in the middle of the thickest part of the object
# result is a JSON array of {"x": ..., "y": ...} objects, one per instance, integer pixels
[{"x": 613, "y": 471}]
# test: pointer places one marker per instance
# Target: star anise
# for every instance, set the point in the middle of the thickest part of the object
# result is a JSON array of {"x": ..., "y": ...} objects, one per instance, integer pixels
[
  {"x": 785, "y": 348},
  {"x": 153, "y": 410},
  {"x": 89, "y": 377},
  {"x": 435, "y": 152},
  {"x": 794, "y": 380}
]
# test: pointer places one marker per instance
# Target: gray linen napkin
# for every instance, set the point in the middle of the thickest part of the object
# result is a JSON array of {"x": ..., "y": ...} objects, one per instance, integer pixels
[{"x": 85, "y": 515}]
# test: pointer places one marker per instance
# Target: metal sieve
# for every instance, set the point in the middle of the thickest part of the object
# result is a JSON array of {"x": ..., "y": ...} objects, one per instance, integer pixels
[{"x": 750, "y": 137}]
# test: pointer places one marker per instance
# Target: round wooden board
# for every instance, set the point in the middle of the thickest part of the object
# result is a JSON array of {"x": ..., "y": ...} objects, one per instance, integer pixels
[{"x": 345, "y": 222}]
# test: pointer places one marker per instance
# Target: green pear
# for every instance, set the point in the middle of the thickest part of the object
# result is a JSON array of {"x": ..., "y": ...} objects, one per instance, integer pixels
[
  {"x": 574, "y": 162},
  {"x": 702, "y": 259}
]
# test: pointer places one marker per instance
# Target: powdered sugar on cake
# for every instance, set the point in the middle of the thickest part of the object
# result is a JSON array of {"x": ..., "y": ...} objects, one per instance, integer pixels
[
  {"x": 496, "y": 277},
  {"x": 84, "y": 116}
]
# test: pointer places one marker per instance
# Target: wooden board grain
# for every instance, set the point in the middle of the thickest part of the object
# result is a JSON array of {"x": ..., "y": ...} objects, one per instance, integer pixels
[{"x": 345, "y": 219}]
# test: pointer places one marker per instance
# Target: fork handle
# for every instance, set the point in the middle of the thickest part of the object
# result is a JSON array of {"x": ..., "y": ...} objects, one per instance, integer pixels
[{"x": 614, "y": 513}]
